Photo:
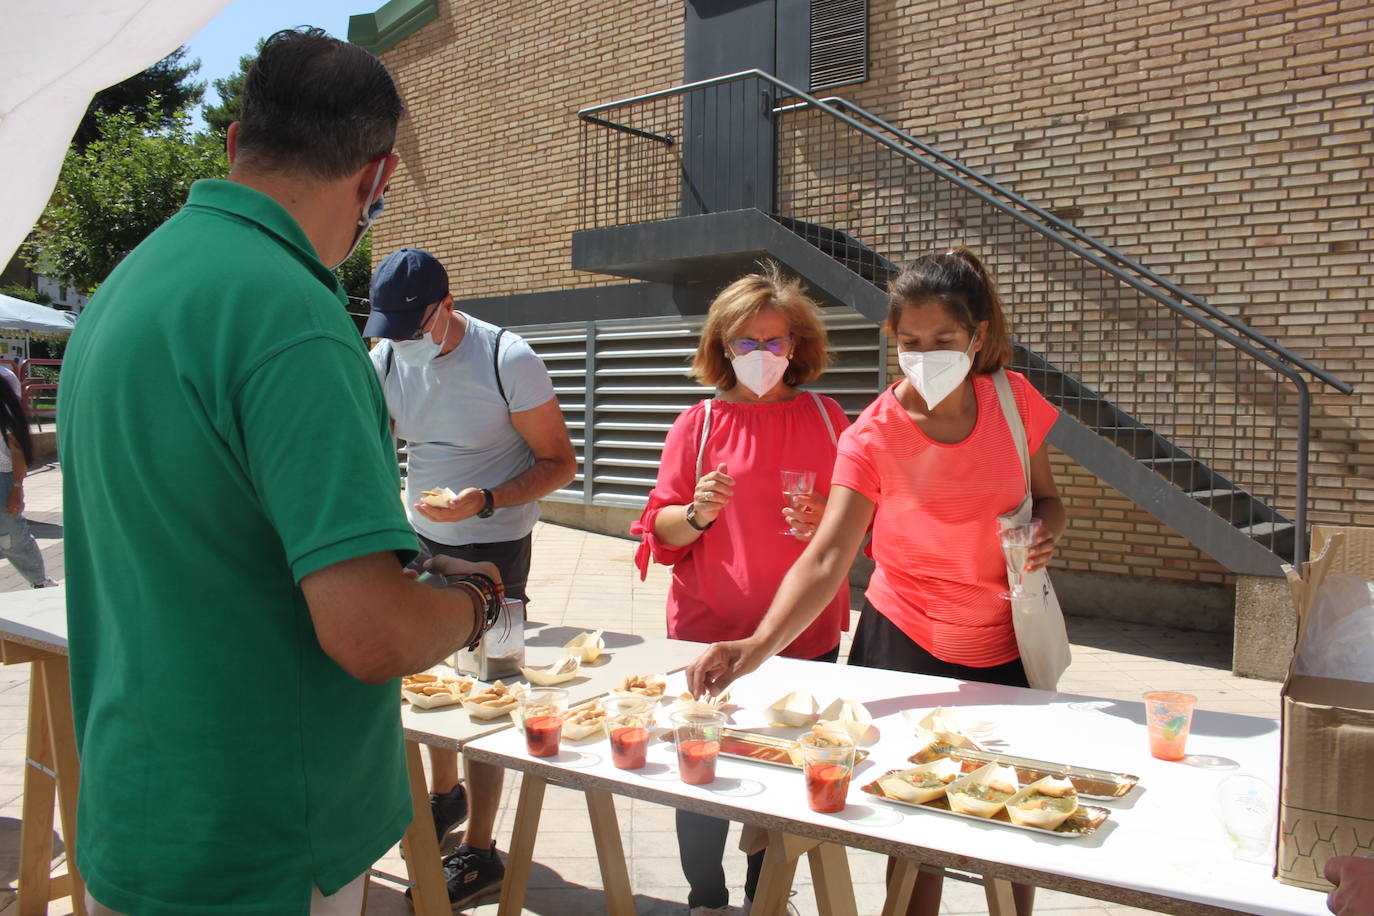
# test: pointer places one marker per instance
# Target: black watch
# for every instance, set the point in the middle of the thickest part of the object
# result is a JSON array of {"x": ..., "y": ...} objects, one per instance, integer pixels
[
  {"x": 489, "y": 506},
  {"x": 692, "y": 518}
]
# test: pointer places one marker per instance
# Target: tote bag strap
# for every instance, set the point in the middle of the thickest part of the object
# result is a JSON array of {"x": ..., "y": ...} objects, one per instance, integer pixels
[
  {"x": 1018, "y": 429},
  {"x": 705, "y": 431},
  {"x": 825, "y": 415}
]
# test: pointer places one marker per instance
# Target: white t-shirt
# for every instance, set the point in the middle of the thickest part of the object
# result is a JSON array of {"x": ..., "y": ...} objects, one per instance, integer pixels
[
  {"x": 458, "y": 430},
  {"x": 6, "y": 463}
]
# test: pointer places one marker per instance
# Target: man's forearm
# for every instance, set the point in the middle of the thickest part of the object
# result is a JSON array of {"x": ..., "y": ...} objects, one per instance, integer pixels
[{"x": 536, "y": 482}]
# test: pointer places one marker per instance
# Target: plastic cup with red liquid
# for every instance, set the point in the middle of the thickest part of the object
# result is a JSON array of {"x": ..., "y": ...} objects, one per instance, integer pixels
[
  {"x": 1169, "y": 717},
  {"x": 697, "y": 735},
  {"x": 828, "y": 762},
  {"x": 629, "y": 720},
  {"x": 541, "y": 712}
]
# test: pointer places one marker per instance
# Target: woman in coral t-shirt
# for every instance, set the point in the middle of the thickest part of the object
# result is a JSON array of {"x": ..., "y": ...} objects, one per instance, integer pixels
[
  {"x": 930, "y": 465},
  {"x": 717, "y": 513}
]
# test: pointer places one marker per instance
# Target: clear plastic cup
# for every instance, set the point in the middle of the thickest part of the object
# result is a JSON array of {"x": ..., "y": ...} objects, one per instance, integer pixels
[
  {"x": 629, "y": 720},
  {"x": 1016, "y": 544},
  {"x": 697, "y": 735},
  {"x": 541, "y": 711},
  {"x": 1247, "y": 805},
  {"x": 828, "y": 762},
  {"x": 1169, "y": 716}
]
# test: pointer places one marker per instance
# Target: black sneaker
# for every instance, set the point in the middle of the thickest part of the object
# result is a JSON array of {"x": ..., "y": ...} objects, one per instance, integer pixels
[
  {"x": 470, "y": 873},
  {"x": 449, "y": 809}
]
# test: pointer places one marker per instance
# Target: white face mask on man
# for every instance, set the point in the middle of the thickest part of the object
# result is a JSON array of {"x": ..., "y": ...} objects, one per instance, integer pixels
[
  {"x": 416, "y": 353},
  {"x": 368, "y": 217},
  {"x": 936, "y": 373},
  {"x": 759, "y": 371}
]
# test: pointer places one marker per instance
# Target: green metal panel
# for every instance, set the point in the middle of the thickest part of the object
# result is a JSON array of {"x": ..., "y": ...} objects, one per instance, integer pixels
[{"x": 391, "y": 24}]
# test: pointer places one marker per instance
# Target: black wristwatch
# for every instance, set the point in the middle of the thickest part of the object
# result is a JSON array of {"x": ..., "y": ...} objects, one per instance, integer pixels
[
  {"x": 692, "y": 518},
  {"x": 489, "y": 506}
]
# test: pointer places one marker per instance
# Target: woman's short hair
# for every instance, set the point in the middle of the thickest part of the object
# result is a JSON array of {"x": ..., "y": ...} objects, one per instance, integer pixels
[
  {"x": 959, "y": 281},
  {"x": 737, "y": 304}
]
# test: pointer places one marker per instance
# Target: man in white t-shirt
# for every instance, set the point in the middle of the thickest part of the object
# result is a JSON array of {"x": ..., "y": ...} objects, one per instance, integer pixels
[{"x": 479, "y": 416}]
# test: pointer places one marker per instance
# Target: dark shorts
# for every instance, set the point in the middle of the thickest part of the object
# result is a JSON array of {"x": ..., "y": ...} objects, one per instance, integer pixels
[
  {"x": 880, "y": 643},
  {"x": 512, "y": 558}
]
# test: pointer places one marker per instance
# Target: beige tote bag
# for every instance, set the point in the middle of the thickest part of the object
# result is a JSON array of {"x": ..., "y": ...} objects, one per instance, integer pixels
[{"x": 1038, "y": 621}]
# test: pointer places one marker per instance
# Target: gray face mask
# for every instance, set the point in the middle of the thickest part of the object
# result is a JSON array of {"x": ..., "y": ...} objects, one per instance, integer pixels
[{"x": 365, "y": 221}]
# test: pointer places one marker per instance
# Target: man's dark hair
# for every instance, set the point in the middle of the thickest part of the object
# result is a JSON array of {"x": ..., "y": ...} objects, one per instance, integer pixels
[{"x": 317, "y": 105}]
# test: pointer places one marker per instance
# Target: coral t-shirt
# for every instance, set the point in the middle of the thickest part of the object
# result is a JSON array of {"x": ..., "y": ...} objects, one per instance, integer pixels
[
  {"x": 724, "y": 581},
  {"x": 939, "y": 566}
]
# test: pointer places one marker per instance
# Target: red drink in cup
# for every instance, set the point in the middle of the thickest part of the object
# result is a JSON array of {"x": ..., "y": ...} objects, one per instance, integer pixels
[
  {"x": 629, "y": 745},
  {"x": 542, "y": 735},
  {"x": 827, "y": 784},
  {"x": 628, "y": 721},
  {"x": 541, "y": 712},
  {"x": 827, "y": 761},
  {"x": 697, "y": 761},
  {"x": 697, "y": 732}
]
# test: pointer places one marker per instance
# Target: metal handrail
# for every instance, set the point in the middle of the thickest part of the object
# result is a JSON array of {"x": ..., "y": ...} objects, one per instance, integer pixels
[{"x": 1281, "y": 361}]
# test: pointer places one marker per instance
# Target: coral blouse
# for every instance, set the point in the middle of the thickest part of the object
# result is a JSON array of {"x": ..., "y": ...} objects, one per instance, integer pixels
[
  {"x": 724, "y": 581},
  {"x": 939, "y": 566}
]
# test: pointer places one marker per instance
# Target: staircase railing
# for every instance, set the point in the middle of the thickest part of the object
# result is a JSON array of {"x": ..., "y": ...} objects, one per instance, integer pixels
[{"x": 1188, "y": 371}]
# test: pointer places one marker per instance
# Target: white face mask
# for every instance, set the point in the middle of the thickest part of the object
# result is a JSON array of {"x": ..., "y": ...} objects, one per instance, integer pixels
[
  {"x": 936, "y": 373},
  {"x": 416, "y": 352},
  {"x": 759, "y": 371}
]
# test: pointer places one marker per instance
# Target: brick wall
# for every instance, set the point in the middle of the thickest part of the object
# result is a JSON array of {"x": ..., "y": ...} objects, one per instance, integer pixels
[
  {"x": 490, "y": 156},
  {"x": 1226, "y": 145}
]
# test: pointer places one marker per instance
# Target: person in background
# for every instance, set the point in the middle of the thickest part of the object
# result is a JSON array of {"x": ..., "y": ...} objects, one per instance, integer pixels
[
  {"x": 479, "y": 416},
  {"x": 16, "y": 541},
  {"x": 1354, "y": 880},
  {"x": 929, "y": 465},
  {"x": 717, "y": 512},
  {"x": 237, "y": 610}
]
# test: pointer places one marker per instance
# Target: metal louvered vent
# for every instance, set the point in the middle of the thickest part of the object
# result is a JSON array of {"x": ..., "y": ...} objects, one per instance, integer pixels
[
  {"x": 621, "y": 384},
  {"x": 839, "y": 43}
]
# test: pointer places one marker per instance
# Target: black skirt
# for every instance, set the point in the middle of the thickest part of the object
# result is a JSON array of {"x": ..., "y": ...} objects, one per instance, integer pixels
[{"x": 880, "y": 643}]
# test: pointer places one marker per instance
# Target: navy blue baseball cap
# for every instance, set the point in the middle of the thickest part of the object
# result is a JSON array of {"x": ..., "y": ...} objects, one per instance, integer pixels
[{"x": 404, "y": 286}]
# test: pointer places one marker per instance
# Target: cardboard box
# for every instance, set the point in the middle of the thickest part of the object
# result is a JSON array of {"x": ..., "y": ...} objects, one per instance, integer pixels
[{"x": 1326, "y": 780}]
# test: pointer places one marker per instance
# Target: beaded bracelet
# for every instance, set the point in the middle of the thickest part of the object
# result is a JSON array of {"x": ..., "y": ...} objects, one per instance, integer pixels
[{"x": 486, "y": 596}]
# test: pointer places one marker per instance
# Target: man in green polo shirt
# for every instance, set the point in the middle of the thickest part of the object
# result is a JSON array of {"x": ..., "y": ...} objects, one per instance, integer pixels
[{"x": 234, "y": 534}]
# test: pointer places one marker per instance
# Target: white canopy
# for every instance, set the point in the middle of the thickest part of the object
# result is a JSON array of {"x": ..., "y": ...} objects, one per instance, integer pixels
[
  {"x": 18, "y": 315},
  {"x": 59, "y": 53}
]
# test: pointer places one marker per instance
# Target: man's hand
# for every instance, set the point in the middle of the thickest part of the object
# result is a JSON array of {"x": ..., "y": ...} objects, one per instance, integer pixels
[
  {"x": 720, "y": 665},
  {"x": 465, "y": 505},
  {"x": 1354, "y": 880},
  {"x": 452, "y": 566},
  {"x": 14, "y": 502}
]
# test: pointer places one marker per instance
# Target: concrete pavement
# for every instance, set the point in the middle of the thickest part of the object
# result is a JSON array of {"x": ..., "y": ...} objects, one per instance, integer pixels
[{"x": 588, "y": 580}]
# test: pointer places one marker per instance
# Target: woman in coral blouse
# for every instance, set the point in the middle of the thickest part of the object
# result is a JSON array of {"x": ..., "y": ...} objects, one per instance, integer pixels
[
  {"x": 717, "y": 513},
  {"x": 930, "y": 465}
]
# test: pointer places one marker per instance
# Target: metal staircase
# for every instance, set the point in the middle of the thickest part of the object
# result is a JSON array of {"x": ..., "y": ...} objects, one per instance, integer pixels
[{"x": 1184, "y": 409}]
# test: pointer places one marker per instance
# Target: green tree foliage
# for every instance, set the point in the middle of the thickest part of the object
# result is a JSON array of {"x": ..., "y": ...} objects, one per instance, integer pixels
[
  {"x": 27, "y": 293},
  {"x": 153, "y": 96},
  {"x": 356, "y": 273},
  {"x": 230, "y": 91},
  {"x": 120, "y": 187}
]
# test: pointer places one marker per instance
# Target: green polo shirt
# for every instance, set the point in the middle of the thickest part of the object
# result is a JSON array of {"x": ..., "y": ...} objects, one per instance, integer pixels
[{"x": 223, "y": 435}]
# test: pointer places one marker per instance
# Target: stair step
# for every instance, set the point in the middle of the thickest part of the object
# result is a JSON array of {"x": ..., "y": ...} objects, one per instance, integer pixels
[
  {"x": 1236, "y": 506},
  {"x": 1265, "y": 529},
  {"x": 1138, "y": 441}
]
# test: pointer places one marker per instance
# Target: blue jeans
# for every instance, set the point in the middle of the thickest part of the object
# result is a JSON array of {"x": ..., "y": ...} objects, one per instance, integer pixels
[{"x": 16, "y": 543}]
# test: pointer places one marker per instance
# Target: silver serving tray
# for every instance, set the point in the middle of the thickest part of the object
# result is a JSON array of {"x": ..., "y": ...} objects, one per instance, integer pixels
[
  {"x": 1087, "y": 782},
  {"x": 1082, "y": 823},
  {"x": 757, "y": 748}
]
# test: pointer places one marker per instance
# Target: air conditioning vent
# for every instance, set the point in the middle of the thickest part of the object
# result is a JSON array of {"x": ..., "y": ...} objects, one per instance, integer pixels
[{"x": 839, "y": 43}]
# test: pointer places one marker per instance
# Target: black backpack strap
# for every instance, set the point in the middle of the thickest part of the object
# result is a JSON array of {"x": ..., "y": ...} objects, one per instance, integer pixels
[
  {"x": 496, "y": 365},
  {"x": 390, "y": 358}
]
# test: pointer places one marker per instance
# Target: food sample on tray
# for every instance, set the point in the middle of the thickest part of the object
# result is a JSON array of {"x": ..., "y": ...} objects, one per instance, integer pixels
[
  {"x": 1082, "y": 823},
  {"x": 936, "y": 728},
  {"x": 439, "y": 498},
  {"x": 427, "y": 691},
  {"x": 922, "y": 783},
  {"x": 565, "y": 669},
  {"x": 761, "y": 748},
  {"x": 586, "y": 646},
  {"x": 1045, "y": 803},
  {"x": 491, "y": 702},
  {"x": 644, "y": 685},
  {"x": 686, "y": 701},
  {"x": 1087, "y": 782},
  {"x": 797, "y": 709},
  {"x": 984, "y": 792},
  {"x": 852, "y": 716},
  {"x": 584, "y": 721}
]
